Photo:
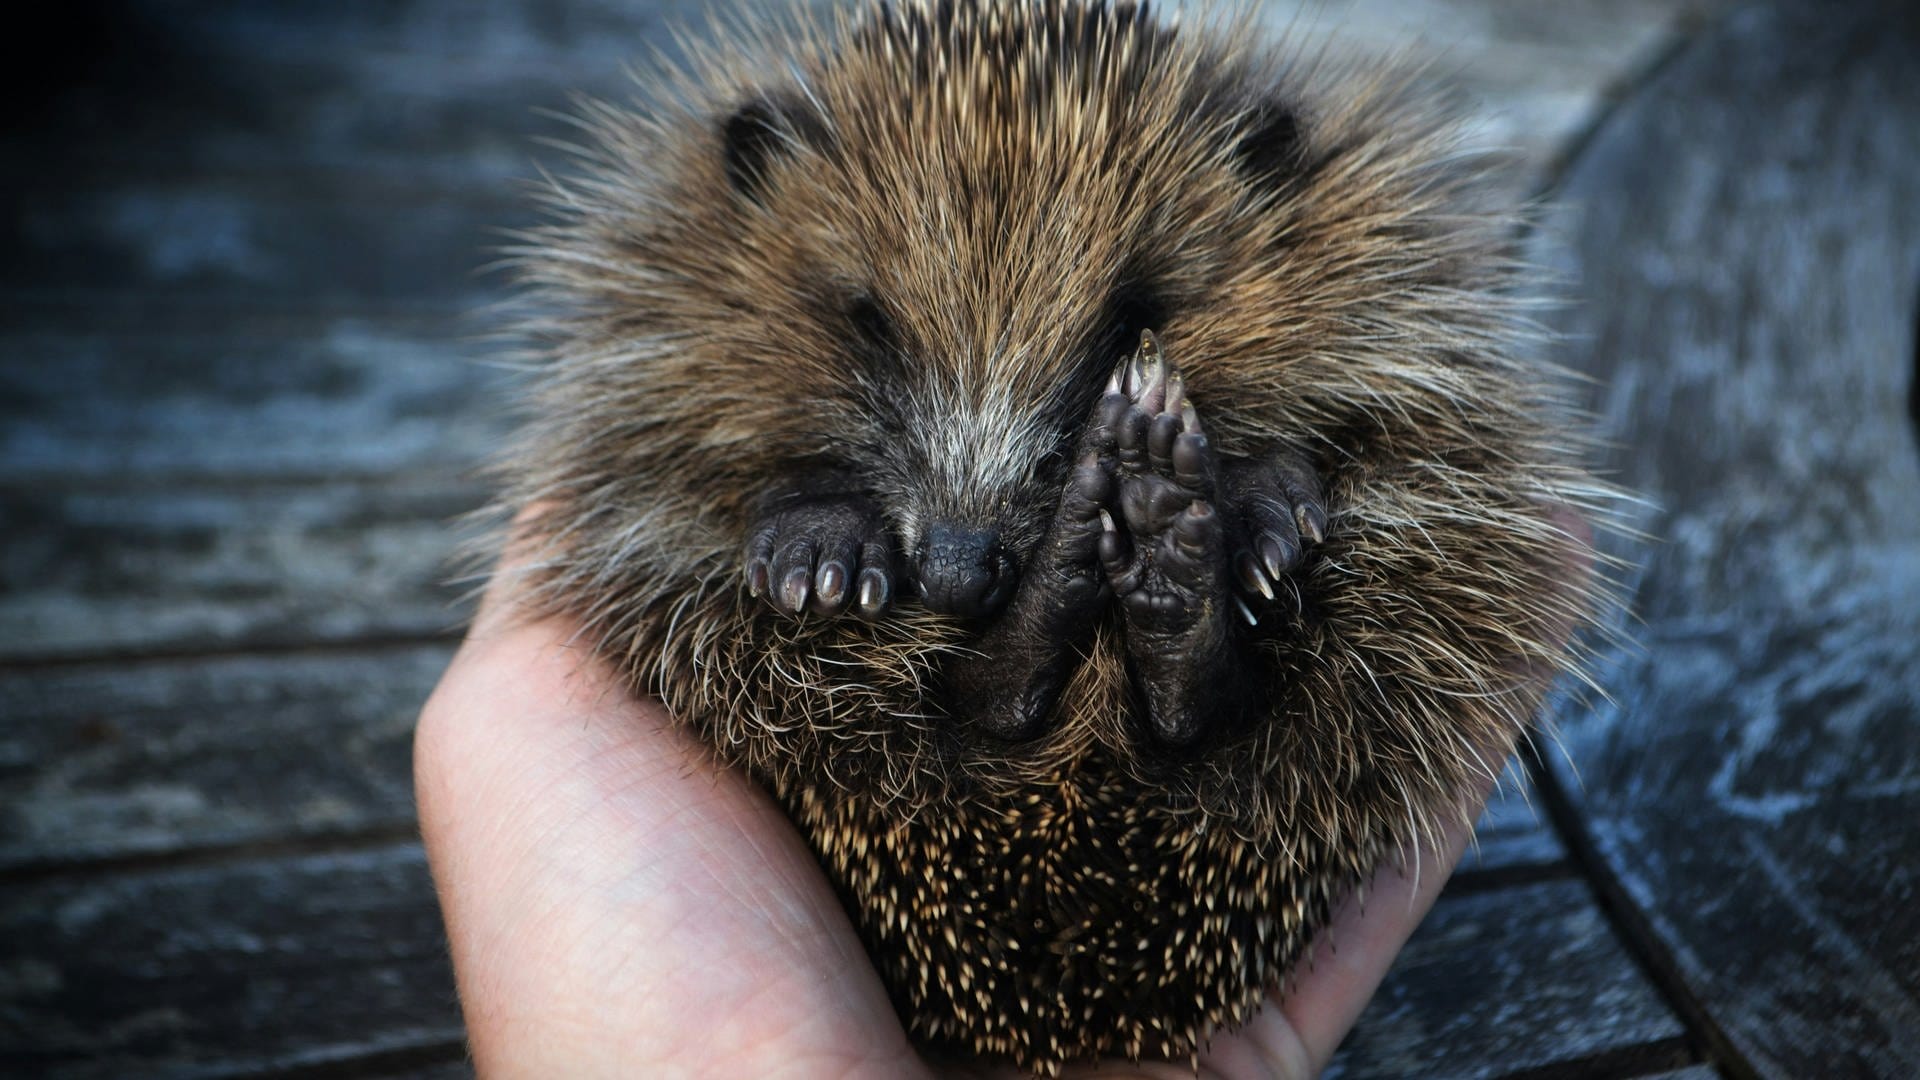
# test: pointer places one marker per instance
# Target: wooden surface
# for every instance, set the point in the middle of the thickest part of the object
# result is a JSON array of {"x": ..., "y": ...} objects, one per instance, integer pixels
[
  {"x": 1746, "y": 233},
  {"x": 240, "y": 407}
]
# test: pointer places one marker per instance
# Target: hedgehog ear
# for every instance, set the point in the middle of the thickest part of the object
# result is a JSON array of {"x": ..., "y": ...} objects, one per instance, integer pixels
[
  {"x": 1269, "y": 151},
  {"x": 761, "y": 132}
]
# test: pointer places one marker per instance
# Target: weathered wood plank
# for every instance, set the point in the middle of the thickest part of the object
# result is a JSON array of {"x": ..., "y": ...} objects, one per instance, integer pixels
[
  {"x": 203, "y": 971},
  {"x": 397, "y": 93},
  {"x": 328, "y": 241},
  {"x": 1537, "y": 74},
  {"x": 178, "y": 395},
  {"x": 267, "y": 87},
  {"x": 106, "y": 761},
  {"x": 329, "y": 226},
  {"x": 1747, "y": 237},
  {"x": 109, "y": 760},
  {"x": 464, "y": 1071},
  {"x": 1502, "y": 981},
  {"x": 284, "y": 961},
  {"x": 92, "y": 573}
]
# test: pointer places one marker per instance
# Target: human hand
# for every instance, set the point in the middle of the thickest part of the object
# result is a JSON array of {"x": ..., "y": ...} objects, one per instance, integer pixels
[{"x": 619, "y": 905}]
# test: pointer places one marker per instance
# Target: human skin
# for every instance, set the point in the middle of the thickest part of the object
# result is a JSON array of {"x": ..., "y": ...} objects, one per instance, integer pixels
[{"x": 618, "y": 904}]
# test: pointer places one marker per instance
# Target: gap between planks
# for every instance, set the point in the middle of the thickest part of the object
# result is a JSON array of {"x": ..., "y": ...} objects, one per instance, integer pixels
[
  {"x": 1651, "y": 955},
  {"x": 289, "y": 648},
  {"x": 1648, "y": 1060},
  {"x": 336, "y": 843},
  {"x": 1705, "y": 1041}
]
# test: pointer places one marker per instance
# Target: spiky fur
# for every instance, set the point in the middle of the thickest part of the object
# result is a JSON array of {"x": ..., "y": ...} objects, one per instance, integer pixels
[{"x": 994, "y": 174}]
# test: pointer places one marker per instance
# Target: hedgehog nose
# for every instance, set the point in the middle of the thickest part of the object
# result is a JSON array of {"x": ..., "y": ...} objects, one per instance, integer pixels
[{"x": 965, "y": 571}]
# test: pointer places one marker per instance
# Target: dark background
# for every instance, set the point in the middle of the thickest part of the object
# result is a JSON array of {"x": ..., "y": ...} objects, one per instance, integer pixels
[{"x": 241, "y": 315}]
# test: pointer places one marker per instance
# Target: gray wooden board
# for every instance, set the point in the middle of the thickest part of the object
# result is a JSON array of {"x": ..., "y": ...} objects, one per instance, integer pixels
[
  {"x": 1746, "y": 233},
  {"x": 278, "y": 86},
  {"x": 266, "y": 396},
  {"x": 1496, "y": 982},
  {"x": 331, "y": 242},
  {"x": 346, "y": 235},
  {"x": 462, "y": 1070},
  {"x": 172, "y": 568},
  {"x": 109, "y": 760},
  {"x": 209, "y": 970},
  {"x": 206, "y": 970},
  {"x": 399, "y": 93},
  {"x": 1534, "y": 75}
]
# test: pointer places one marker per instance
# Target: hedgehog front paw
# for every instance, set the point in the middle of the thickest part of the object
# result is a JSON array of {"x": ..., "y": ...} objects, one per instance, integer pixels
[
  {"x": 1281, "y": 507},
  {"x": 1168, "y": 565},
  {"x": 825, "y": 554}
]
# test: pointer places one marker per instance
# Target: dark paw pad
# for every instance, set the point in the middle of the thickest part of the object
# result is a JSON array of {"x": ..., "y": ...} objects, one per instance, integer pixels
[{"x": 825, "y": 554}]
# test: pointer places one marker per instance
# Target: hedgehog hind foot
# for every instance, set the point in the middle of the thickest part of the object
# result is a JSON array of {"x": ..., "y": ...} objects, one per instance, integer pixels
[
  {"x": 1166, "y": 558},
  {"x": 824, "y": 554},
  {"x": 1203, "y": 552}
]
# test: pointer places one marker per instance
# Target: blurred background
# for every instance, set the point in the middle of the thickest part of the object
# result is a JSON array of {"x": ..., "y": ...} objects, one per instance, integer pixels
[{"x": 243, "y": 395}]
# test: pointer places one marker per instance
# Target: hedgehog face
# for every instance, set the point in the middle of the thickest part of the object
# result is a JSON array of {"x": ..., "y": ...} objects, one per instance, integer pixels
[{"x": 943, "y": 281}]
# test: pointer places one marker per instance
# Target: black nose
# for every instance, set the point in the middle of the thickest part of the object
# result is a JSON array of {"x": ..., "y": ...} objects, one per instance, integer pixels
[{"x": 965, "y": 571}]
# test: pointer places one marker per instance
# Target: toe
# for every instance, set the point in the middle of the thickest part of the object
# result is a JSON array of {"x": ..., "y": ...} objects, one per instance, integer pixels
[
  {"x": 760, "y": 561},
  {"x": 833, "y": 581},
  {"x": 1191, "y": 462},
  {"x": 1162, "y": 432},
  {"x": 1300, "y": 482},
  {"x": 759, "y": 576},
  {"x": 1116, "y": 556},
  {"x": 1251, "y": 577},
  {"x": 873, "y": 591},
  {"x": 1193, "y": 558},
  {"x": 1089, "y": 489},
  {"x": 793, "y": 572},
  {"x": 1146, "y": 374},
  {"x": 1131, "y": 436},
  {"x": 1102, "y": 437},
  {"x": 1311, "y": 519}
]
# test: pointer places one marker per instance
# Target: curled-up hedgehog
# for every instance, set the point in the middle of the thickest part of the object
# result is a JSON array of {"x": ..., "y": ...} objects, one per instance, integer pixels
[{"x": 1086, "y": 467}]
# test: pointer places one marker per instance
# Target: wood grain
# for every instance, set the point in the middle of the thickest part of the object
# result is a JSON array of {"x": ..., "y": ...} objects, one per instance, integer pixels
[
  {"x": 98, "y": 573},
  {"x": 1513, "y": 832},
  {"x": 1503, "y": 981},
  {"x": 116, "y": 760},
  {"x": 216, "y": 970},
  {"x": 173, "y": 395},
  {"x": 1747, "y": 235}
]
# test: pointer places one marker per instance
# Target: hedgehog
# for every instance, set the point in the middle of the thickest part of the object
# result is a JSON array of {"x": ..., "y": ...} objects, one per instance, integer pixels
[{"x": 1093, "y": 469}]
